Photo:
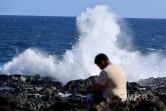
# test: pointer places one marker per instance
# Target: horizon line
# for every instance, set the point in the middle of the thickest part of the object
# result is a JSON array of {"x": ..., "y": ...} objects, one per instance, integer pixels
[{"x": 76, "y": 16}]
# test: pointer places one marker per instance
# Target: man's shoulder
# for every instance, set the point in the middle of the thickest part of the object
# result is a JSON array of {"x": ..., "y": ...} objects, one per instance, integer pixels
[{"x": 112, "y": 67}]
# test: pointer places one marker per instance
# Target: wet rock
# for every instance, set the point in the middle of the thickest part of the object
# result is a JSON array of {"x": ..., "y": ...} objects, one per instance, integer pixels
[
  {"x": 77, "y": 86},
  {"x": 160, "y": 81},
  {"x": 45, "y": 91},
  {"x": 3, "y": 101},
  {"x": 31, "y": 93},
  {"x": 60, "y": 106},
  {"x": 133, "y": 87}
]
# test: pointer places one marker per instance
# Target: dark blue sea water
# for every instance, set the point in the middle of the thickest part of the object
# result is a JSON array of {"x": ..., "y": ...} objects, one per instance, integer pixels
[
  {"x": 61, "y": 37},
  {"x": 55, "y": 35}
]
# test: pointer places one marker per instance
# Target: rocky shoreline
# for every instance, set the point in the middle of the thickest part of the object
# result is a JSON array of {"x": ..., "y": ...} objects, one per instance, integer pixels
[{"x": 35, "y": 93}]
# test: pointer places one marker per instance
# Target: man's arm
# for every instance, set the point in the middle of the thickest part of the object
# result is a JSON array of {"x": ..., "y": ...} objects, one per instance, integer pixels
[
  {"x": 95, "y": 88},
  {"x": 100, "y": 83}
]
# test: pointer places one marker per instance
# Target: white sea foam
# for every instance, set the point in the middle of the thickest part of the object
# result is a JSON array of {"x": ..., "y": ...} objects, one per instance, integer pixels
[
  {"x": 99, "y": 32},
  {"x": 64, "y": 95},
  {"x": 150, "y": 49}
]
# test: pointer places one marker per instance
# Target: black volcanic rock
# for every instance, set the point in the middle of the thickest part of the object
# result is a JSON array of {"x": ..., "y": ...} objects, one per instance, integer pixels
[
  {"x": 77, "y": 86},
  {"x": 133, "y": 87},
  {"x": 160, "y": 81},
  {"x": 35, "y": 93},
  {"x": 156, "y": 105},
  {"x": 3, "y": 101}
]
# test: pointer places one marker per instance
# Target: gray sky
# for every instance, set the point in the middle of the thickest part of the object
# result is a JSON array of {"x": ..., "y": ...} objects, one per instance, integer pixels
[{"x": 123, "y": 8}]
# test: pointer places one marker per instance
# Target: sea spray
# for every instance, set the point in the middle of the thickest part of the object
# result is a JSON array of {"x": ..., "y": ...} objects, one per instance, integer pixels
[
  {"x": 30, "y": 62},
  {"x": 99, "y": 32}
]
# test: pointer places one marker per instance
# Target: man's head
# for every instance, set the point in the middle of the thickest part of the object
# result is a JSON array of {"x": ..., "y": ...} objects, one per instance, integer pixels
[{"x": 101, "y": 60}]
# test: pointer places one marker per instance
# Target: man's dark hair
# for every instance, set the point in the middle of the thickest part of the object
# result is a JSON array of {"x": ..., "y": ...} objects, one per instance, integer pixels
[{"x": 100, "y": 57}]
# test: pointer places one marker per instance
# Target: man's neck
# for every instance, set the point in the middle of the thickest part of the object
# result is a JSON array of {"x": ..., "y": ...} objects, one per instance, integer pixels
[{"x": 109, "y": 63}]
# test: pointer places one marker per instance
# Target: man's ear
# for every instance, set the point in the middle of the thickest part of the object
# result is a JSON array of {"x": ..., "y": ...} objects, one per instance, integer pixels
[{"x": 102, "y": 62}]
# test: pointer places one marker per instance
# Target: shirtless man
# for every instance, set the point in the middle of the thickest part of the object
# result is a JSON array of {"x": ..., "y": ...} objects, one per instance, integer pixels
[{"x": 111, "y": 80}]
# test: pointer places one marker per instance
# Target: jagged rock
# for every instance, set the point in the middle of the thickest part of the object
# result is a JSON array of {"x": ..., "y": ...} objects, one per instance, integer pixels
[
  {"x": 77, "y": 86},
  {"x": 160, "y": 81},
  {"x": 31, "y": 93}
]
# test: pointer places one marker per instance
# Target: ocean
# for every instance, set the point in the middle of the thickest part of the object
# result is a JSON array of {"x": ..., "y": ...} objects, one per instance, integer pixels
[{"x": 65, "y": 47}]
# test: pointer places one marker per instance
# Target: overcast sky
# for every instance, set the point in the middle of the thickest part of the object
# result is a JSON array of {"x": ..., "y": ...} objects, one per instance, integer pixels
[{"x": 123, "y": 8}]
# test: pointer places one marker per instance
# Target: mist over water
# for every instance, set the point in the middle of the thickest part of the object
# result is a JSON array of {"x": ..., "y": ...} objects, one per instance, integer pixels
[{"x": 99, "y": 32}]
